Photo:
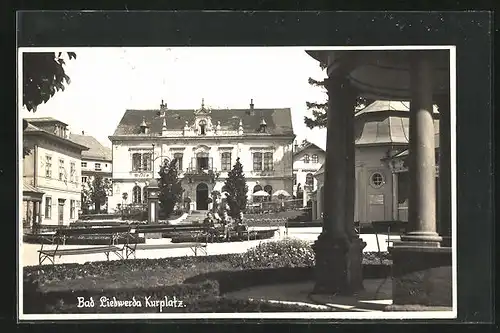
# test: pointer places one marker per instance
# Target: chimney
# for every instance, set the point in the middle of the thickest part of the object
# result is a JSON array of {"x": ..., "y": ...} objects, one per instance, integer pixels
[
  {"x": 296, "y": 146},
  {"x": 163, "y": 106},
  {"x": 251, "y": 104}
]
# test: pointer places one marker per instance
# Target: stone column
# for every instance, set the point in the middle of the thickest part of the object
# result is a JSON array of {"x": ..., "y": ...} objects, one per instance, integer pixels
[
  {"x": 444, "y": 193},
  {"x": 422, "y": 161},
  {"x": 333, "y": 268},
  {"x": 422, "y": 272}
]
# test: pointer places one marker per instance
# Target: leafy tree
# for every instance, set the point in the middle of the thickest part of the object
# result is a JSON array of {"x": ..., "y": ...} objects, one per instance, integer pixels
[
  {"x": 95, "y": 192},
  {"x": 319, "y": 109},
  {"x": 43, "y": 75},
  {"x": 236, "y": 190},
  {"x": 170, "y": 186}
]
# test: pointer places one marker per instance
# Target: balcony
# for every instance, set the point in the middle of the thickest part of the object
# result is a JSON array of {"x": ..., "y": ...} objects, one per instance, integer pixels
[{"x": 201, "y": 168}]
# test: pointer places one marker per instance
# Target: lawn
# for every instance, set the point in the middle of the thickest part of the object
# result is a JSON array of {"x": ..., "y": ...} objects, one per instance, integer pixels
[{"x": 200, "y": 281}]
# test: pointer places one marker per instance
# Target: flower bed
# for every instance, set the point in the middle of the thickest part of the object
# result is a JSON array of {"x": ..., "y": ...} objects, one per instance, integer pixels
[
  {"x": 193, "y": 237},
  {"x": 200, "y": 280}
]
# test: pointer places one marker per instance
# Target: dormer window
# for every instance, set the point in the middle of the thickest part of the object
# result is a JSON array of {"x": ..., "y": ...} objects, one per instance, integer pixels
[
  {"x": 144, "y": 127},
  {"x": 203, "y": 125},
  {"x": 262, "y": 126}
]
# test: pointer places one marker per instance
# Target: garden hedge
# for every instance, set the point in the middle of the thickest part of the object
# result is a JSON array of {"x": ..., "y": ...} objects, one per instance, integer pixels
[{"x": 78, "y": 240}]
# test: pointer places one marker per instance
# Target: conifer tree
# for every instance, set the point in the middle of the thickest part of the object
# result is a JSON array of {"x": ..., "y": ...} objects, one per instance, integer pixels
[
  {"x": 236, "y": 189},
  {"x": 170, "y": 186}
]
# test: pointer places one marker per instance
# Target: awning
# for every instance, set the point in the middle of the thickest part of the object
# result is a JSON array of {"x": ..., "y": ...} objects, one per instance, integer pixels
[{"x": 31, "y": 193}]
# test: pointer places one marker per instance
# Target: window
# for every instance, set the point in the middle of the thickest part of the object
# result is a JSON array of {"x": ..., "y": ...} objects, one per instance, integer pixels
[
  {"x": 48, "y": 166},
  {"x": 306, "y": 158},
  {"x": 146, "y": 162},
  {"x": 136, "y": 195},
  {"x": 203, "y": 126},
  {"x": 84, "y": 179},
  {"x": 309, "y": 179},
  {"x": 84, "y": 164},
  {"x": 315, "y": 158},
  {"x": 145, "y": 194},
  {"x": 106, "y": 165},
  {"x": 268, "y": 161},
  {"x": 179, "y": 157},
  {"x": 97, "y": 166},
  {"x": 48, "y": 207},
  {"x": 61, "y": 169},
  {"x": 72, "y": 171},
  {"x": 269, "y": 190},
  {"x": 72, "y": 207},
  {"x": 377, "y": 180},
  {"x": 226, "y": 161},
  {"x": 136, "y": 162},
  {"x": 257, "y": 188},
  {"x": 141, "y": 162},
  {"x": 257, "y": 161},
  {"x": 294, "y": 179}
]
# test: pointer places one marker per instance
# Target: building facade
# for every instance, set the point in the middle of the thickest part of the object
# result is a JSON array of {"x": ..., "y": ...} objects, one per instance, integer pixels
[
  {"x": 96, "y": 161},
  {"x": 206, "y": 143},
  {"x": 53, "y": 167},
  {"x": 307, "y": 160},
  {"x": 381, "y": 189}
]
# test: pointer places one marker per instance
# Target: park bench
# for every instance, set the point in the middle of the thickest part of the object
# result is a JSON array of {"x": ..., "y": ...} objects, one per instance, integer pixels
[
  {"x": 132, "y": 245},
  {"x": 61, "y": 235}
]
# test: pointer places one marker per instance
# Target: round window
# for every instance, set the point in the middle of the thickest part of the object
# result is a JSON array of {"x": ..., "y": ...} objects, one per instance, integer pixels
[{"x": 377, "y": 180}]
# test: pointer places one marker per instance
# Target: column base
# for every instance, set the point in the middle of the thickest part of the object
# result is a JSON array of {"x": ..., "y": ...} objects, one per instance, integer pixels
[
  {"x": 339, "y": 265},
  {"x": 422, "y": 275},
  {"x": 421, "y": 238}
]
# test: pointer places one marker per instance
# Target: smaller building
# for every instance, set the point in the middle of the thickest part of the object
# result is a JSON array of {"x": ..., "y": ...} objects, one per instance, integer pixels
[
  {"x": 96, "y": 161},
  {"x": 382, "y": 185},
  {"x": 51, "y": 173},
  {"x": 307, "y": 160}
]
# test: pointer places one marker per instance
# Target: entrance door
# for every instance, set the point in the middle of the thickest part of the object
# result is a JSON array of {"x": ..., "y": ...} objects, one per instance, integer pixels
[
  {"x": 202, "y": 196},
  {"x": 61, "y": 212}
]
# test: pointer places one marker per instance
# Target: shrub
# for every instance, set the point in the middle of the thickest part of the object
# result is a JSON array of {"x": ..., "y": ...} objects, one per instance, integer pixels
[
  {"x": 284, "y": 253},
  {"x": 79, "y": 240}
]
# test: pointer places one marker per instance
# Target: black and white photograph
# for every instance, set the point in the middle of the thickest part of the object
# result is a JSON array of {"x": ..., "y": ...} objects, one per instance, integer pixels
[
  {"x": 220, "y": 181},
  {"x": 237, "y": 182}
]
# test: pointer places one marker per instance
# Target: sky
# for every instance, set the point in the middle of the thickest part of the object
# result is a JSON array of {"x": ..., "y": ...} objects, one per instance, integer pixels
[{"x": 107, "y": 81}]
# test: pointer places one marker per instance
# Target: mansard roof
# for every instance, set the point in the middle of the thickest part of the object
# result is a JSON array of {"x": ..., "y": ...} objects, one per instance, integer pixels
[
  {"x": 96, "y": 149},
  {"x": 384, "y": 122},
  {"x": 278, "y": 121}
]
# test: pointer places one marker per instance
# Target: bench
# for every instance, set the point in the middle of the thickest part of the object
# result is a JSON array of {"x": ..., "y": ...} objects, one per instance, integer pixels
[
  {"x": 131, "y": 245},
  {"x": 61, "y": 235}
]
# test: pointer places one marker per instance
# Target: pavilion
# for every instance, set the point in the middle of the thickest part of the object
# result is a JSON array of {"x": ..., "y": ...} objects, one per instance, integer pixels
[{"x": 422, "y": 272}]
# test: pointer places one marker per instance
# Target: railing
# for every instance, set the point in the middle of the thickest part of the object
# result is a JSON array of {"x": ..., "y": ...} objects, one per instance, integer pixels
[{"x": 202, "y": 166}]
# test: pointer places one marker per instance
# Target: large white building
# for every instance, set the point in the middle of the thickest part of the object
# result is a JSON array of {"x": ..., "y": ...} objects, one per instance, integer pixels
[
  {"x": 307, "y": 160},
  {"x": 52, "y": 169},
  {"x": 206, "y": 143}
]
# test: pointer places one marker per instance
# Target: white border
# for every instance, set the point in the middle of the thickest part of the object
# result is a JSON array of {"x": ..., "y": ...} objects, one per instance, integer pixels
[{"x": 288, "y": 315}]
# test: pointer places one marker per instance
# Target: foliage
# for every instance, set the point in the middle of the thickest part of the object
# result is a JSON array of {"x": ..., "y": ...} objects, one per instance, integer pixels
[
  {"x": 284, "y": 253},
  {"x": 43, "y": 76},
  {"x": 170, "y": 187},
  {"x": 95, "y": 191},
  {"x": 236, "y": 190},
  {"x": 319, "y": 115}
]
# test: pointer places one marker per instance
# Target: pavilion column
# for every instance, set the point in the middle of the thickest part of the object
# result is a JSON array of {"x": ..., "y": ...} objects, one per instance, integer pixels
[
  {"x": 444, "y": 191},
  {"x": 395, "y": 194},
  {"x": 421, "y": 268},
  {"x": 422, "y": 160},
  {"x": 335, "y": 271}
]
